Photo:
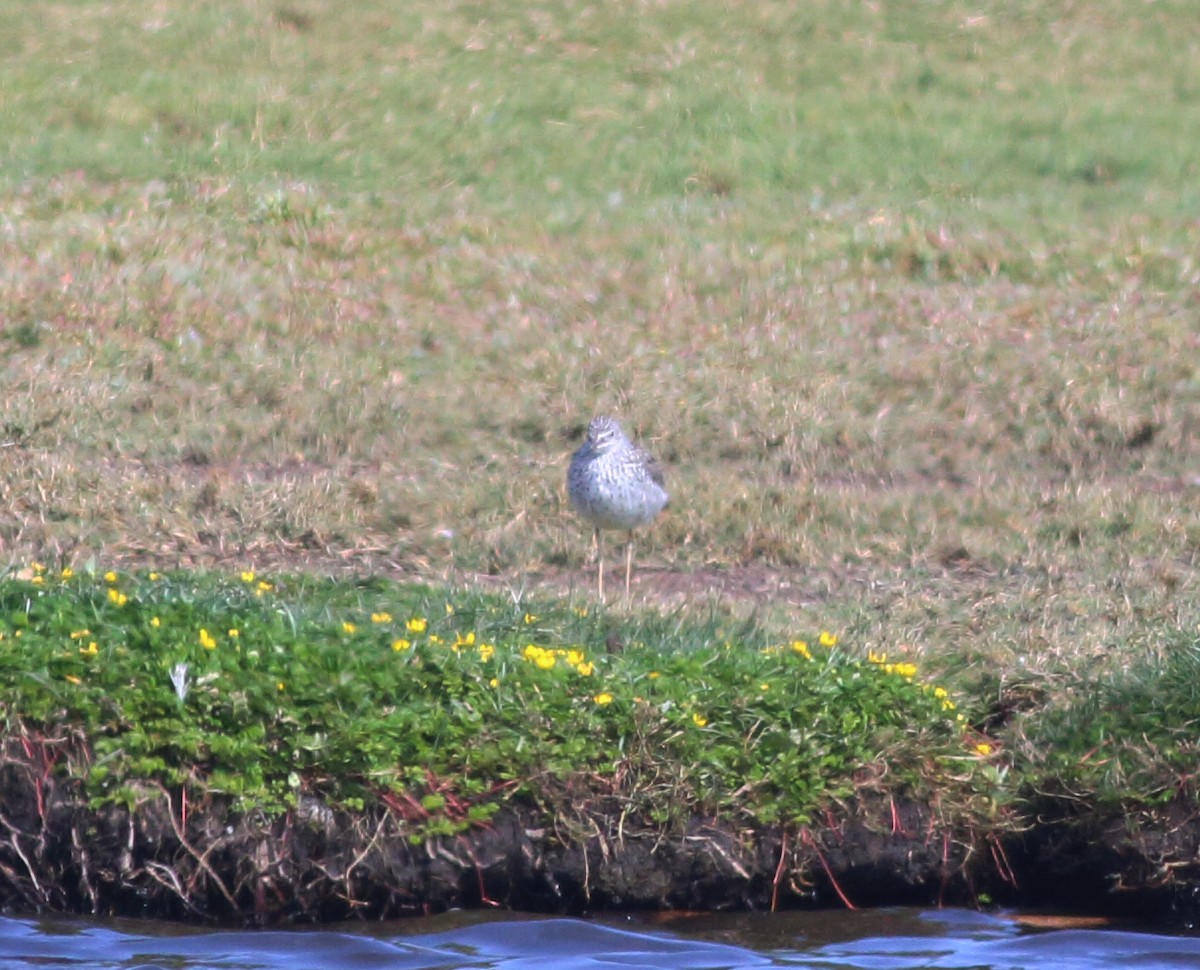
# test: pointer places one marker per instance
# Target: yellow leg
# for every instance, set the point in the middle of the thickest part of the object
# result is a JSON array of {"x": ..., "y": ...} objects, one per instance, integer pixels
[
  {"x": 599, "y": 565},
  {"x": 628, "y": 563}
]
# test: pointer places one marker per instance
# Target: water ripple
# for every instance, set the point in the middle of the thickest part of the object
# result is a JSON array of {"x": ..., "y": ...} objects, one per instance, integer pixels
[{"x": 886, "y": 940}]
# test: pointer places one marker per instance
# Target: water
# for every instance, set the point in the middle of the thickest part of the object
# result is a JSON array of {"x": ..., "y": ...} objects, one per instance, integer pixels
[{"x": 874, "y": 940}]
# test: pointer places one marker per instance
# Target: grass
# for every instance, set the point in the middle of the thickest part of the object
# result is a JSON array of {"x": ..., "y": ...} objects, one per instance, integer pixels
[{"x": 901, "y": 297}]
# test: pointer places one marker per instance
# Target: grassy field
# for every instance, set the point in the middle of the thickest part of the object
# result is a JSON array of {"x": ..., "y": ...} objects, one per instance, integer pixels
[{"x": 903, "y": 295}]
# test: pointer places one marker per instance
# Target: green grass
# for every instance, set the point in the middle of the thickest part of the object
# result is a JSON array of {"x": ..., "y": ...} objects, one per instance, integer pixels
[
  {"x": 445, "y": 705},
  {"x": 902, "y": 296}
]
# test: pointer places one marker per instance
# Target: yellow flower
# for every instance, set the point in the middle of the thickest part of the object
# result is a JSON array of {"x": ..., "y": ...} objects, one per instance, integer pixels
[
  {"x": 381, "y": 617},
  {"x": 575, "y": 657},
  {"x": 155, "y": 577},
  {"x": 416, "y": 625},
  {"x": 585, "y": 669},
  {"x": 983, "y": 748},
  {"x": 434, "y": 638},
  {"x": 603, "y": 699},
  {"x": 449, "y": 609},
  {"x": 90, "y": 650},
  {"x": 110, "y": 577},
  {"x": 530, "y": 619},
  {"x": 939, "y": 692},
  {"x": 401, "y": 645},
  {"x": 546, "y": 661},
  {"x": 67, "y": 572},
  {"x": 485, "y": 651},
  {"x": 264, "y": 586},
  {"x": 279, "y": 685},
  {"x": 764, "y": 687},
  {"x": 155, "y": 622},
  {"x": 465, "y": 641},
  {"x": 699, "y": 719},
  {"x": 827, "y": 639},
  {"x": 206, "y": 640},
  {"x": 348, "y": 627},
  {"x": 581, "y": 611},
  {"x": 949, "y": 705},
  {"x": 802, "y": 648},
  {"x": 494, "y": 682},
  {"x": 73, "y": 679},
  {"x": 654, "y": 675},
  {"x": 247, "y": 575},
  {"x": 532, "y": 652},
  {"x": 234, "y": 633},
  {"x": 80, "y": 634},
  {"x": 38, "y": 580},
  {"x": 116, "y": 596},
  {"x": 38, "y": 567}
]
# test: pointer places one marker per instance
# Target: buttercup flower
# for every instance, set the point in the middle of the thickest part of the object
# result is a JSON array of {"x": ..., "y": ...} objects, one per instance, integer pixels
[
  {"x": 416, "y": 625},
  {"x": 401, "y": 645},
  {"x": 381, "y": 617},
  {"x": 699, "y": 719},
  {"x": 827, "y": 639},
  {"x": 603, "y": 699},
  {"x": 348, "y": 627},
  {"x": 206, "y": 640}
]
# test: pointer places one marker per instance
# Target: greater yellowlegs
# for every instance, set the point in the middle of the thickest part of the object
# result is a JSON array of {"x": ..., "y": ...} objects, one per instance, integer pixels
[{"x": 614, "y": 485}]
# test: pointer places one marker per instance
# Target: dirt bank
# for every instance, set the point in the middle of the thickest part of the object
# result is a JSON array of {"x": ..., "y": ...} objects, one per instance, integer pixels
[{"x": 205, "y": 863}]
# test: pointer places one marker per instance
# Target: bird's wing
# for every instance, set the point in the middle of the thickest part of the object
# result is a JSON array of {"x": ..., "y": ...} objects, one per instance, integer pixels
[{"x": 652, "y": 467}]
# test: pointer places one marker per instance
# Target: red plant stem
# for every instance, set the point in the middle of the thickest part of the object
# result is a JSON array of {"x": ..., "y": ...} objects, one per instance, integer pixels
[
  {"x": 779, "y": 870},
  {"x": 807, "y": 836}
]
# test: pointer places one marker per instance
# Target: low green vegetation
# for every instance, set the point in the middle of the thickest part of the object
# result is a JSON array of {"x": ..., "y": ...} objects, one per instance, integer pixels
[{"x": 444, "y": 705}]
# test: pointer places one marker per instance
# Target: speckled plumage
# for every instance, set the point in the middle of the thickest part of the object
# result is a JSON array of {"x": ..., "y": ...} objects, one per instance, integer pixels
[{"x": 613, "y": 484}]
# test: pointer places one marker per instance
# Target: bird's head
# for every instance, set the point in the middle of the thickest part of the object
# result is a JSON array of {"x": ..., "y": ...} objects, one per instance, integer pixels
[{"x": 604, "y": 433}]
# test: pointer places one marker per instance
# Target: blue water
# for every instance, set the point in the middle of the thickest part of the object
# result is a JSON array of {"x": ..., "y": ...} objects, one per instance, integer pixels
[{"x": 878, "y": 940}]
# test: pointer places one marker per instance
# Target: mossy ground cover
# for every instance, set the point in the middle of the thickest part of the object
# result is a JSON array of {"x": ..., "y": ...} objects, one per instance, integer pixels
[{"x": 445, "y": 705}]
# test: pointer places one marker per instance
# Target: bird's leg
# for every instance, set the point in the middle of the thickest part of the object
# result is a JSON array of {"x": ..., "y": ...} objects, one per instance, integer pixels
[
  {"x": 599, "y": 564},
  {"x": 628, "y": 563}
]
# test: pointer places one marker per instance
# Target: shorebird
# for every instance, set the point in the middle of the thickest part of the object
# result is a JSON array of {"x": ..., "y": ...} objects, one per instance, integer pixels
[{"x": 614, "y": 484}]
